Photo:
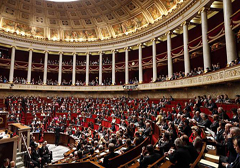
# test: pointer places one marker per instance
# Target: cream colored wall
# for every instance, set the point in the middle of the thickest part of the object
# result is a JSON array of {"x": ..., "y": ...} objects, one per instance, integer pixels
[{"x": 231, "y": 89}]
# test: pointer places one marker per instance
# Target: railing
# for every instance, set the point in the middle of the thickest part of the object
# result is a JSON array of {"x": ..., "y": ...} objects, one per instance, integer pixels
[
  {"x": 25, "y": 145},
  {"x": 223, "y": 75}
]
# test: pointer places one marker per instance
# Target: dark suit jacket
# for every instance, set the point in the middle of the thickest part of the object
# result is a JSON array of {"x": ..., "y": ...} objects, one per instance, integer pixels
[
  {"x": 193, "y": 152},
  {"x": 57, "y": 131},
  {"x": 181, "y": 158},
  {"x": 232, "y": 152},
  {"x": 164, "y": 147},
  {"x": 128, "y": 148},
  {"x": 107, "y": 157},
  {"x": 214, "y": 126},
  {"x": 187, "y": 130},
  {"x": 149, "y": 159},
  {"x": 236, "y": 163}
]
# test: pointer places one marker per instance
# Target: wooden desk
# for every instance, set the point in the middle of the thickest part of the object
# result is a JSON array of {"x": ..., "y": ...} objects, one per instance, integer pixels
[
  {"x": 8, "y": 148},
  {"x": 166, "y": 164},
  {"x": 50, "y": 138},
  {"x": 19, "y": 129},
  {"x": 3, "y": 119}
]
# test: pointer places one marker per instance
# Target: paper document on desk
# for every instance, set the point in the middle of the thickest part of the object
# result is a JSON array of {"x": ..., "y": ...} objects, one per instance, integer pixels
[
  {"x": 208, "y": 163},
  {"x": 212, "y": 156}
]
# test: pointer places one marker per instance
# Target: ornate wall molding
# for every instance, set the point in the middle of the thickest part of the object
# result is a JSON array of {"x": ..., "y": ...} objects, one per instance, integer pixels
[{"x": 223, "y": 75}]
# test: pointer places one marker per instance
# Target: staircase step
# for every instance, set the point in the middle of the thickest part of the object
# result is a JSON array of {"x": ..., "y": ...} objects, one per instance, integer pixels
[
  {"x": 19, "y": 158},
  {"x": 19, "y": 164}
]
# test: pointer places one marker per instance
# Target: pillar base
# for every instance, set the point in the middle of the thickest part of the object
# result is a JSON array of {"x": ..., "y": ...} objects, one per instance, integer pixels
[
  {"x": 10, "y": 82},
  {"x": 28, "y": 83},
  {"x": 73, "y": 84},
  {"x": 59, "y": 84}
]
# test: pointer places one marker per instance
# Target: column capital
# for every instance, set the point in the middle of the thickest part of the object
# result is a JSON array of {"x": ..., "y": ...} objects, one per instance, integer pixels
[
  {"x": 60, "y": 52},
  {"x": 113, "y": 51},
  {"x": 30, "y": 49},
  {"x": 204, "y": 9},
  {"x": 169, "y": 32},
  {"x": 46, "y": 51},
  {"x": 154, "y": 39},
  {"x": 87, "y": 53},
  {"x": 185, "y": 23},
  {"x": 13, "y": 47},
  {"x": 100, "y": 52},
  {"x": 74, "y": 53},
  {"x": 139, "y": 45},
  {"x": 126, "y": 48}
]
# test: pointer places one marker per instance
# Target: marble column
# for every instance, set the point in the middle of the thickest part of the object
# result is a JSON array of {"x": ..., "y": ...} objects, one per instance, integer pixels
[
  {"x": 29, "y": 66},
  {"x": 60, "y": 69},
  {"x": 169, "y": 54},
  {"x": 11, "y": 73},
  {"x": 100, "y": 68},
  {"x": 140, "y": 68},
  {"x": 45, "y": 68},
  {"x": 154, "y": 60},
  {"x": 74, "y": 70},
  {"x": 206, "y": 49},
  {"x": 185, "y": 46},
  {"x": 229, "y": 34},
  {"x": 126, "y": 66},
  {"x": 113, "y": 67},
  {"x": 87, "y": 69}
]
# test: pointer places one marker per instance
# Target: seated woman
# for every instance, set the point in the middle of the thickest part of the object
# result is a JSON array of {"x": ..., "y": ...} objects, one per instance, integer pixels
[{"x": 195, "y": 138}]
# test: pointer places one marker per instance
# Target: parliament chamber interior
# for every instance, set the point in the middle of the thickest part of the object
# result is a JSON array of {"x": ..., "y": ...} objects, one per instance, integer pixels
[{"x": 119, "y": 83}]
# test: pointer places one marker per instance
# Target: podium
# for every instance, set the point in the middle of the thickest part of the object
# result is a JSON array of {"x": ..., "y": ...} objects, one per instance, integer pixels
[
  {"x": 8, "y": 145},
  {"x": 3, "y": 119},
  {"x": 21, "y": 129}
]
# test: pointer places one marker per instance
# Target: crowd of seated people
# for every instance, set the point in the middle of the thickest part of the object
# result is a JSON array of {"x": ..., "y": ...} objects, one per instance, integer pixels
[
  {"x": 234, "y": 62},
  {"x": 8, "y": 164},
  {"x": 38, "y": 154},
  {"x": 4, "y": 56},
  {"x": 3, "y": 79},
  {"x": 194, "y": 72},
  {"x": 108, "y": 82},
  {"x": 182, "y": 125},
  {"x": 70, "y": 62}
]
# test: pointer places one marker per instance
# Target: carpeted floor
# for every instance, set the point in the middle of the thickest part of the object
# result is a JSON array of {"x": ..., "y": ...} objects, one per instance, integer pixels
[{"x": 57, "y": 151}]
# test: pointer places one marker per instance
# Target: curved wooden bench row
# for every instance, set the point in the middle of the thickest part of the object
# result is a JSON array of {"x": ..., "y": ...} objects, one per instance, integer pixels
[
  {"x": 199, "y": 156},
  {"x": 129, "y": 155},
  {"x": 74, "y": 165}
]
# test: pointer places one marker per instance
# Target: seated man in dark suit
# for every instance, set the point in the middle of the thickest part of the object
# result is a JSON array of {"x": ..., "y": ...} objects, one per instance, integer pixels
[
  {"x": 236, "y": 162},
  {"x": 180, "y": 157},
  {"x": 190, "y": 147},
  {"x": 148, "y": 156},
  {"x": 111, "y": 154},
  {"x": 128, "y": 145},
  {"x": 45, "y": 154},
  {"x": 164, "y": 145},
  {"x": 148, "y": 130}
]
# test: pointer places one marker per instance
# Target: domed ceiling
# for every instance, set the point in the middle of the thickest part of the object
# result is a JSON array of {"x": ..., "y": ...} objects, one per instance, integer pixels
[{"x": 81, "y": 20}]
